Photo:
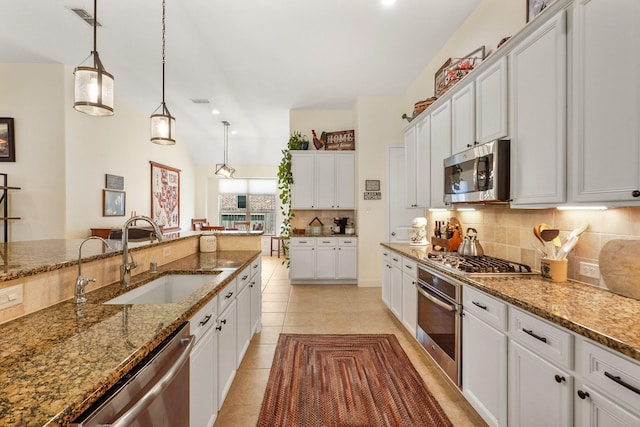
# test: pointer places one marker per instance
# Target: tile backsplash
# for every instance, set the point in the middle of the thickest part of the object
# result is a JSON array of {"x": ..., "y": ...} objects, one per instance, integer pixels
[
  {"x": 302, "y": 218},
  {"x": 508, "y": 233}
]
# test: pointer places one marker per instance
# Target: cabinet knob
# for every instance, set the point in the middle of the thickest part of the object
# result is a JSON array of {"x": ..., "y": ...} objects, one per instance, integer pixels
[
  {"x": 583, "y": 394},
  {"x": 559, "y": 378},
  {"x": 218, "y": 328},
  {"x": 469, "y": 146},
  {"x": 636, "y": 193}
]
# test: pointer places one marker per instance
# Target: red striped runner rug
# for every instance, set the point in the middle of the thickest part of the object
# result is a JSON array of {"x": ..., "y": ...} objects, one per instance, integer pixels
[{"x": 346, "y": 380}]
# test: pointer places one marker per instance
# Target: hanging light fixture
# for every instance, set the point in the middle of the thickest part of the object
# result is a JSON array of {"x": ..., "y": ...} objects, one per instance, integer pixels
[
  {"x": 93, "y": 87},
  {"x": 163, "y": 124},
  {"x": 224, "y": 170}
]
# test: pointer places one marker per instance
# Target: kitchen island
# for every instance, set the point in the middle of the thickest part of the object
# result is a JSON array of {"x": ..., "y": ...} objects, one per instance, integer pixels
[{"x": 57, "y": 361}]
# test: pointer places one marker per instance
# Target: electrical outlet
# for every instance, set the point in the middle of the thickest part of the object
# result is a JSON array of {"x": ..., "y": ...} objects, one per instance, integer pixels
[
  {"x": 11, "y": 296},
  {"x": 590, "y": 270},
  {"x": 166, "y": 251}
]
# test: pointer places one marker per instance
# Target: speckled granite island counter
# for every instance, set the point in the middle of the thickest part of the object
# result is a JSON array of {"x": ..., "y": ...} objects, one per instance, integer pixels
[
  {"x": 57, "y": 361},
  {"x": 595, "y": 313}
]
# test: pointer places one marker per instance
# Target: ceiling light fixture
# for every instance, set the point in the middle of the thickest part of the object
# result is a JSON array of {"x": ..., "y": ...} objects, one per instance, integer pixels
[
  {"x": 224, "y": 170},
  {"x": 93, "y": 86},
  {"x": 163, "y": 124}
]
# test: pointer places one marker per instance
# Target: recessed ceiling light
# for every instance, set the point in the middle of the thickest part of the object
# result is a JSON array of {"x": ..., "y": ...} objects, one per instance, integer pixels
[
  {"x": 216, "y": 112},
  {"x": 388, "y": 2},
  {"x": 234, "y": 132}
]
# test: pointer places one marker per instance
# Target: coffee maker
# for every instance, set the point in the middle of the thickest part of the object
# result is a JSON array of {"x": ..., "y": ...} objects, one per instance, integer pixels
[{"x": 341, "y": 223}]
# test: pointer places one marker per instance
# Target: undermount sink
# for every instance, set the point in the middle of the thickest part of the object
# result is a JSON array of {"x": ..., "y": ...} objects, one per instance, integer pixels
[{"x": 166, "y": 289}]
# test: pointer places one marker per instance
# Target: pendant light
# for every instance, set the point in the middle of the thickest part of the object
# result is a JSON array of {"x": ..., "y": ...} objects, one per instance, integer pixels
[
  {"x": 225, "y": 170},
  {"x": 163, "y": 125},
  {"x": 93, "y": 87}
]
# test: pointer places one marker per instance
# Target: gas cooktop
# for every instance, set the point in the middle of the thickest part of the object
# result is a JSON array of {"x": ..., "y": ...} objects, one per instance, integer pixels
[{"x": 477, "y": 264}]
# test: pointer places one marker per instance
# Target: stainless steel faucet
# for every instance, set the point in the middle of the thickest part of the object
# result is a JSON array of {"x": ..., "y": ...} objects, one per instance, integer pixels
[
  {"x": 81, "y": 282},
  {"x": 126, "y": 267}
]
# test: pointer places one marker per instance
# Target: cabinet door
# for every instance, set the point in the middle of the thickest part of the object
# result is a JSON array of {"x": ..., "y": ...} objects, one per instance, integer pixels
[
  {"x": 484, "y": 369},
  {"x": 423, "y": 165},
  {"x": 326, "y": 262},
  {"x": 345, "y": 181},
  {"x": 243, "y": 322},
  {"x": 440, "y": 150},
  {"x": 463, "y": 118},
  {"x": 595, "y": 410},
  {"x": 203, "y": 406},
  {"x": 302, "y": 262},
  {"x": 396, "y": 292},
  {"x": 227, "y": 361},
  {"x": 491, "y": 103},
  {"x": 605, "y": 145},
  {"x": 256, "y": 303},
  {"x": 325, "y": 181},
  {"x": 303, "y": 171},
  {"x": 347, "y": 262},
  {"x": 537, "y": 69},
  {"x": 386, "y": 278},
  {"x": 540, "y": 394},
  {"x": 410, "y": 164},
  {"x": 409, "y": 303}
]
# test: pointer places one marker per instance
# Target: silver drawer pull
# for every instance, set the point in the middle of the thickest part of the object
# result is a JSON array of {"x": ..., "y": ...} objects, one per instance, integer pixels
[
  {"x": 477, "y": 304},
  {"x": 396, "y": 259},
  {"x": 205, "y": 320},
  {"x": 618, "y": 380},
  {"x": 229, "y": 295},
  {"x": 409, "y": 267},
  {"x": 530, "y": 332},
  {"x": 245, "y": 277}
]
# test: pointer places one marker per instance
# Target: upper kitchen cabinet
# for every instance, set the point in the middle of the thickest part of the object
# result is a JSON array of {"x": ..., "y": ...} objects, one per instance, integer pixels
[
  {"x": 463, "y": 118},
  {"x": 492, "y": 103},
  {"x": 440, "y": 150},
  {"x": 417, "y": 143},
  {"x": 605, "y": 125},
  {"x": 324, "y": 180},
  {"x": 537, "y": 99}
]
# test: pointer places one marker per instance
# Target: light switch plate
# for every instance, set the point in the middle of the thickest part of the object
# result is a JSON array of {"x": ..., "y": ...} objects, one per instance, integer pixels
[{"x": 11, "y": 296}]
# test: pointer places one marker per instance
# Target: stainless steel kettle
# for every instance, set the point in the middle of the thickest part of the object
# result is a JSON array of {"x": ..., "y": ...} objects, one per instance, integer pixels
[{"x": 470, "y": 245}]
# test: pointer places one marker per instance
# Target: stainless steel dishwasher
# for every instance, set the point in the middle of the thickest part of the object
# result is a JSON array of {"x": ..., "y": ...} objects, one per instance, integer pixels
[{"x": 154, "y": 394}]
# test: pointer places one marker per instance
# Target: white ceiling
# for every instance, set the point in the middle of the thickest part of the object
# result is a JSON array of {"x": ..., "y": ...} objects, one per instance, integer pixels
[{"x": 253, "y": 59}]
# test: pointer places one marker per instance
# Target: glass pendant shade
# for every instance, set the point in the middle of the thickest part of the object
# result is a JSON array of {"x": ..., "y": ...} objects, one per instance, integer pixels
[
  {"x": 163, "y": 128},
  {"x": 225, "y": 171},
  {"x": 93, "y": 91}
]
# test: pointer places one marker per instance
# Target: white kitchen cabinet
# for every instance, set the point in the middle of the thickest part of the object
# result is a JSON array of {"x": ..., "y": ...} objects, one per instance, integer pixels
[
  {"x": 492, "y": 103},
  {"x": 243, "y": 321},
  {"x": 302, "y": 257},
  {"x": 537, "y": 100},
  {"x": 409, "y": 295},
  {"x": 463, "y": 118},
  {"x": 417, "y": 146},
  {"x": 227, "y": 361},
  {"x": 396, "y": 285},
  {"x": 410, "y": 166},
  {"x": 326, "y": 261},
  {"x": 484, "y": 350},
  {"x": 593, "y": 409},
  {"x": 347, "y": 258},
  {"x": 203, "y": 405},
  {"x": 540, "y": 394},
  {"x": 440, "y": 150},
  {"x": 323, "y": 259},
  {"x": 386, "y": 277},
  {"x": 605, "y": 137},
  {"x": 323, "y": 180},
  {"x": 256, "y": 295}
]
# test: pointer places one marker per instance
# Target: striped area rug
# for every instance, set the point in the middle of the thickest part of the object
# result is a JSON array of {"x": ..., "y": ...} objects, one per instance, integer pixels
[{"x": 346, "y": 380}]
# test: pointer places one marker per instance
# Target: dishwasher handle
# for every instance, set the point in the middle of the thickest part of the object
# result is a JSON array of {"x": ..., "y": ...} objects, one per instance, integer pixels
[
  {"x": 155, "y": 391},
  {"x": 450, "y": 307}
]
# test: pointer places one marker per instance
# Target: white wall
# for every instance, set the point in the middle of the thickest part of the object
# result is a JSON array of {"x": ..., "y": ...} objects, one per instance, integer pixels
[{"x": 63, "y": 156}]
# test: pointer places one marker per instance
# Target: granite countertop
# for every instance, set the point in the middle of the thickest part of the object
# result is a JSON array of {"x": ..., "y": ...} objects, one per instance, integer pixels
[
  {"x": 56, "y": 362},
  {"x": 595, "y": 313}
]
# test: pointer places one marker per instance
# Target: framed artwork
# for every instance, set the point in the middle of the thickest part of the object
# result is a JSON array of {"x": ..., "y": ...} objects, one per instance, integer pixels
[
  {"x": 534, "y": 7},
  {"x": 165, "y": 196},
  {"x": 372, "y": 185},
  {"x": 7, "y": 140},
  {"x": 114, "y": 182},
  {"x": 113, "y": 203},
  {"x": 438, "y": 83}
]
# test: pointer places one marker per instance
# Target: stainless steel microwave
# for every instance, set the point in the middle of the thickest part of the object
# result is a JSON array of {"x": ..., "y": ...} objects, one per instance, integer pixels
[{"x": 480, "y": 174}]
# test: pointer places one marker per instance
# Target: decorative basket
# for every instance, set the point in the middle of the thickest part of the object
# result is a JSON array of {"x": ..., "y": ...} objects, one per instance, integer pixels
[{"x": 420, "y": 106}]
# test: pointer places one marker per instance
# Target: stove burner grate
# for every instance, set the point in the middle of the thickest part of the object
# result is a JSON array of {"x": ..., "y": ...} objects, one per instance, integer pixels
[{"x": 479, "y": 264}]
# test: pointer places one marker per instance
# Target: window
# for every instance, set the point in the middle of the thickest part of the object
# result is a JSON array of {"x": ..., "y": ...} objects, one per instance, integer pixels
[{"x": 252, "y": 200}]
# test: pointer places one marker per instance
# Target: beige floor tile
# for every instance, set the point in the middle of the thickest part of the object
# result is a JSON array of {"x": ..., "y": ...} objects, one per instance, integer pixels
[
  {"x": 274, "y": 306},
  {"x": 304, "y": 307},
  {"x": 309, "y": 329},
  {"x": 238, "y": 415},
  {"x": 274, "y": 297},
  {"x": 258, "y": 357},
  {"x": 277, "y": 289},
  {"x": 303, "y": 319},
  {"x": 273, "y": 319},
  {"x": 248, "y": 387},
  {"x": 268, "y": 335}
]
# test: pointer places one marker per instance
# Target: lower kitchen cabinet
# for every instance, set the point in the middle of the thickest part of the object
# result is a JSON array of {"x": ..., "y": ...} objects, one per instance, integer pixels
[
  {"x": 396, "y": 285},
  {"x": 227, "y": 362},
  {"x": 347, "y": 258},
  {"x": 386, "y": 277},
  {"x": 256, "y": 296},
  {"x": 203, "y": 389},
  {"x": 243, "y": 319},
  {"x": 323, "y": 259},
  {"x": 409, "y": 295}
]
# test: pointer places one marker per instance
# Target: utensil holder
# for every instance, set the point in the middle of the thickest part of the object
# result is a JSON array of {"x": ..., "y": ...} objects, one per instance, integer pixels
[{"x": 554, "y": 270}]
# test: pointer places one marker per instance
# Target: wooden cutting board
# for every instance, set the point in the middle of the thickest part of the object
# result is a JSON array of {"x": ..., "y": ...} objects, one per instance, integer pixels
[{"x": 620, "y": 267}]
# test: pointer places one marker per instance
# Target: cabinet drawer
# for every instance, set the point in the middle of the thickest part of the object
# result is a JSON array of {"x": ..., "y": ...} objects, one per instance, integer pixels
[
  {"x": 256, "y": 267},
  {"x": 487, "y": 308},
  {"x": 617, "y": 376},
  {"x": 396, "y": 260},
  {"x": 386, "y": 256},
  {"x": 350, "y": 241},
  {"x": 244, "y": 278},
  {"x": 204, "y": 318},
  {"x": 410, "y": 267},
  {"x": 549, "y": 341},
  {"x": 302, "y": 241},
  {"x": 227, "y": 295},
  {"x": 326, "y": 241}
]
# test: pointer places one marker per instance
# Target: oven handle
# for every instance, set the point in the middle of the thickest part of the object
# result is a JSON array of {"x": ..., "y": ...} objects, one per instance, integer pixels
[
  {"x": 449, "y": 307},
  {"x": 162, "y": 383}
]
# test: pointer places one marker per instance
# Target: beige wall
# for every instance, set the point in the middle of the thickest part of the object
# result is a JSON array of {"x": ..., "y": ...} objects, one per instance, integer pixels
[{"x": 62, "y": 156}]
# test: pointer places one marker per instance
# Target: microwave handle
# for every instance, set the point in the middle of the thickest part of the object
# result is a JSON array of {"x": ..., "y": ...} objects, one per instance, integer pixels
[{"x": 476, "y": 163}]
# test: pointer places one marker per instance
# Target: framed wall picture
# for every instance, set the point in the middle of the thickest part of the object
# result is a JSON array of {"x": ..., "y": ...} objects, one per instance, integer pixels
[
  {"x": 113, "y": 203},
  {"x": 372, "y": 185},
  {"x": 7, "y": 140},
  {"x": 438, "y": 83},
  {"x": 534, "y": 7},
  {"x": 165, "y": 196}
]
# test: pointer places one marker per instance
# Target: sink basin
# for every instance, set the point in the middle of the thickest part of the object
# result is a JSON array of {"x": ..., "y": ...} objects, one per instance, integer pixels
[{"x": 166, "y": 289}]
